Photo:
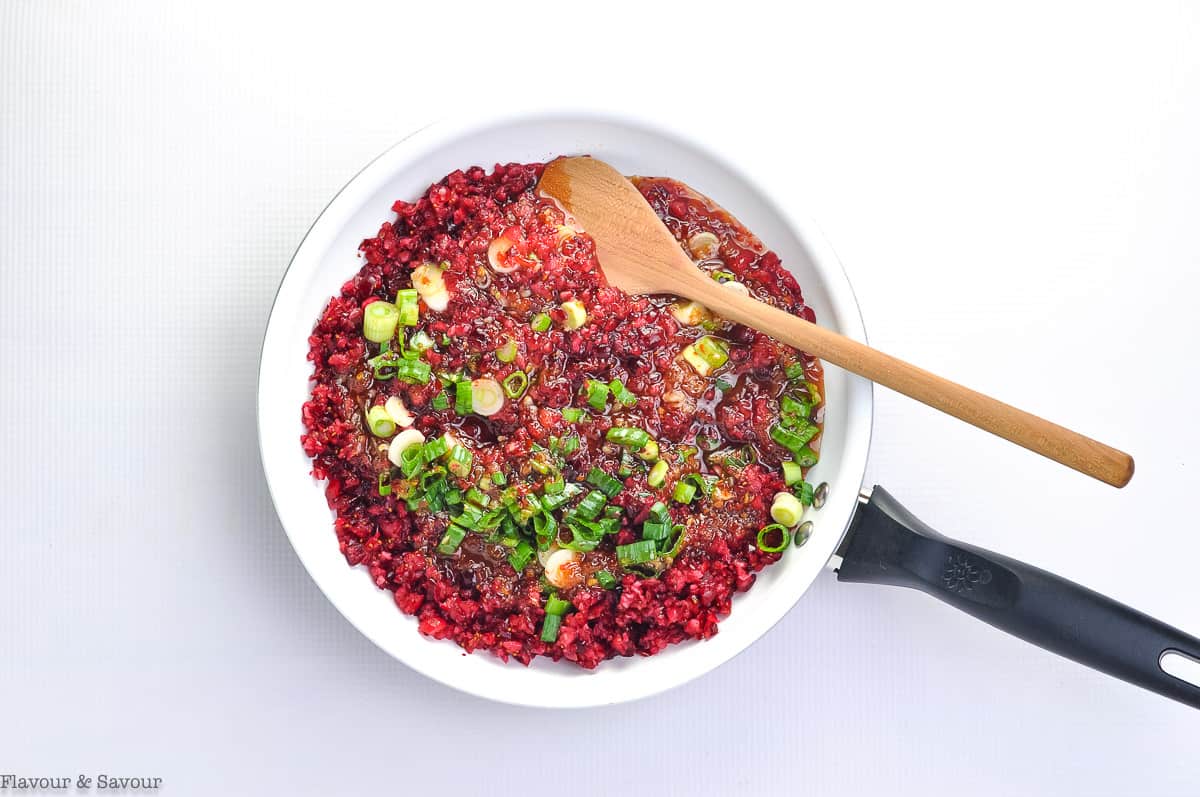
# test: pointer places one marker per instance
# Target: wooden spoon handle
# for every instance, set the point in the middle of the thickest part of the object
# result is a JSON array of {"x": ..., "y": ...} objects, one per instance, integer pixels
[{"x": 1036, "y": 434}]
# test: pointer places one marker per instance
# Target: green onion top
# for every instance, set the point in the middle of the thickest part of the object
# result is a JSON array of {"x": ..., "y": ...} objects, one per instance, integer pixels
[
  {"x": 684, "y": 492},
  {"x": 550, "y": 628},
  {"x": 557, "y": 605},
  {"x": 627, "y": 436},
  {"x": 572, "y": 414},
  {"x": 540, "y": 322},
  {"x": 764, "y": 534},
  {"x": 406, "y": 302},
  {"x": 604, "y": 483},
  {"x": 597, "y": 395},
  {"x": 463, "y": 397},
  {"x": 636, "y": 553},
  {"x": 515, "y": 384}
]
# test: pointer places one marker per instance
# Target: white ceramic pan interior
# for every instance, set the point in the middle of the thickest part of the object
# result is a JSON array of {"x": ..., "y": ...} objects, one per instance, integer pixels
[{"x": 328, "y": 256}]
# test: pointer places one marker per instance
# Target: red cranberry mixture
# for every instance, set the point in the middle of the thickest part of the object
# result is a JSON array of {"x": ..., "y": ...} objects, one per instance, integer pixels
[{"x": 538, "y": 464}]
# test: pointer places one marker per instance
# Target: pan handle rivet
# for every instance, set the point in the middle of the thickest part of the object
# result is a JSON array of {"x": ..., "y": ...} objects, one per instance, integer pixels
[
  {"x": 803, "y": 532},
  {"x": 820, "y": 494}
]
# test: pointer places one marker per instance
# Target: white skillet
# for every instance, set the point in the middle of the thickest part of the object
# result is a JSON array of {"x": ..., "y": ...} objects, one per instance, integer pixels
[{"x": 1032, "y": 604}]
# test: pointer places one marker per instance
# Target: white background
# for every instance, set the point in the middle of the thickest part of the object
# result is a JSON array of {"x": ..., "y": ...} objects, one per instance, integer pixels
[{"x": 1014, "y": 191}]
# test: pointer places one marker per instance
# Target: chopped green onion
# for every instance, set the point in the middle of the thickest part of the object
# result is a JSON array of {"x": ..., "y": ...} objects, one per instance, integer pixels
[
  {"x": 498, "y": 478},
  {"x": 814, "y": 394},
  {"x": 451, "y": 539},
  {"x": 624, "y": 395},
  {"x": 575, "y": 314},
  {"x": 554, "y": 486},
  {"x": 794, "y": 371},
  {"x": 628, "y": 436},
  {"x": 414, "y": 372},
  {"x": 606, "y": 580},
  {"x": 792, "y": 409},
  {"x": 658, "y": 474},
  {"x": 655, "y": 531},
  {"x": 591, "y": 505},
  {"x": 604, "y": 483},
  {"x": 597, "y": 395},
  {"x": 478, "y": 498},
  {"x": 515, "y": 384},
  {"x": 385, "y": 483},
  {"x": 724, "y": 276},
  {"x": 786, "y": 509},
  {"x": 421, "y": 341},
  {"x": 659, "y": 512},
  {"x": 379, "y": 321},
  {"x": 636, "y": 553},
  {"x": 806, "y": 457},
  {"x": 540, "y": 322},
  {"x": 412, "y": 459},
  {"x": 507, "y": 352},
  {"x": 702, "y": 483},
  {"x": 767, "y": 531},
  {"x": 714, "y": 351},
  {"x": 460, "y": 460},
  {"x": 519, "y": 557},
  {"x": 550, "y": 627},
  {"x": 570, "y": 445},
  {"x": 487, "y": 397},
  {"x": 435, "y": 448},
  {"x": 791, "y": 440},
  {"x": 684, "y": 492},
  {"x": 792, "y": 473},
  {"x": 440, "y": 402},
  {"x": 572, "y": 414},
  {"x": 557, "y": 605},
  {"x": 380, "y": 423},
  {"x": 723, "y": 386},
  {"x": 462, "y": 397},
  {"x": 649, "y": 452},
  {"x": 406, "y": 301}
]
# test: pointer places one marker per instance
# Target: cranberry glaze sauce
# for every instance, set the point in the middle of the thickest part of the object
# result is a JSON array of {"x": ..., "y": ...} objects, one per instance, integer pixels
[{"x": 565, "y": 470}]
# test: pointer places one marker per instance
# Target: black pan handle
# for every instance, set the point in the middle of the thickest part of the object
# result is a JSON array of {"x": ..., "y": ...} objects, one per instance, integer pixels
[{"x": 887, "y": 545}]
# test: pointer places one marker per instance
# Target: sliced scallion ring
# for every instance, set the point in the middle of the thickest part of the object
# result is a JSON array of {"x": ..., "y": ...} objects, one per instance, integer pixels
[
  {"x": 379, "y": 321},
  {"x": 763, "y": 540},
  {"x": 380, "y": 423},
  {"x": 515, "y": 384},
  {"x": 487, "y": 398},
  {"x": 786, "y": 509}
]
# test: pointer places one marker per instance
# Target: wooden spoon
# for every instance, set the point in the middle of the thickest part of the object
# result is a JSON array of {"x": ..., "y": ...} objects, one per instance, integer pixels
[{"x": 639, "y": 255}]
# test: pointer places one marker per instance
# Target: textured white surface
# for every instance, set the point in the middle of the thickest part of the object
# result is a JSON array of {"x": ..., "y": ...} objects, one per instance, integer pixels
[{"x": 1014, "y": 193}]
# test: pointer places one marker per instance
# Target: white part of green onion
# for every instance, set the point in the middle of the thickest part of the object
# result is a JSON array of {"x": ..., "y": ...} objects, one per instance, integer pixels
[
  {"x": 398, "y": 412},
  {"x": 737, "y": 287},
  {"x": 431, "y": 285},
  {"x": 487, "y": 397},
  {"x": 696, "y": 361},
  {"x": 497, "y": 250},
  {"x": 786, "y": 509},
  {"x": 561, "y": 566},
  {"x": 421, "y": 341},
  {"x": 690, "y": 313},
  {"x": 576, "y": 314},
  {"x": 406, "y": 439},
  {"x": 703, "y": 245}
]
